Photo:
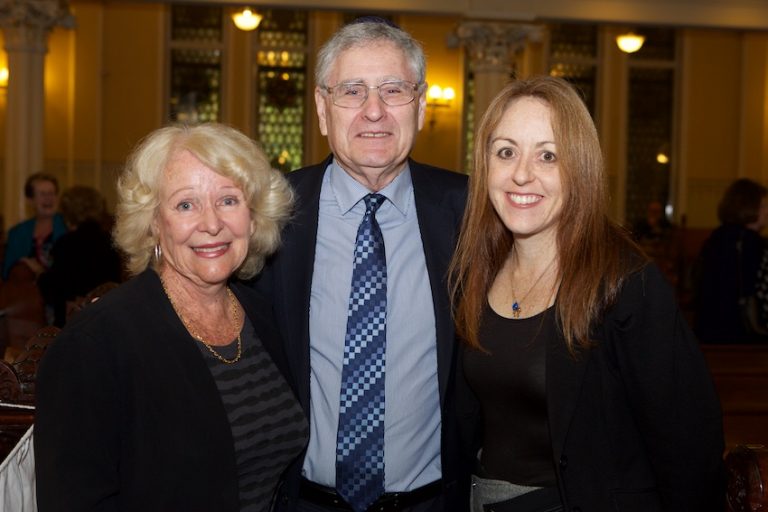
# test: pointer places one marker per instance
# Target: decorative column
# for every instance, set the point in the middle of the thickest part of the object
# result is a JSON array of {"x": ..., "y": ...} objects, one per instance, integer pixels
[
  {"x": 26, "y": 25},
  {"x": 492, "y": 48}
]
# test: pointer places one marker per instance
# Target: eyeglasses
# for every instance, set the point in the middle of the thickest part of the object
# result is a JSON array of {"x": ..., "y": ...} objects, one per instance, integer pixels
[{"x": 353, "y": 95}]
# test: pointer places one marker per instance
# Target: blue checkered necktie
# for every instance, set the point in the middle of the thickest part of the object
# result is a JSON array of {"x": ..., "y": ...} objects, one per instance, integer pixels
[{"x": 360, "y": 438}]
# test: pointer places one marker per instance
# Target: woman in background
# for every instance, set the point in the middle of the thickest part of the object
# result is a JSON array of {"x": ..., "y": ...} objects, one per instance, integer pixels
[
  {"x": 592, "y": 392},
  {"x": 726, "y": 271},
  {"x": 30, "y": 242},
  {"x": 167, "y": 393}
]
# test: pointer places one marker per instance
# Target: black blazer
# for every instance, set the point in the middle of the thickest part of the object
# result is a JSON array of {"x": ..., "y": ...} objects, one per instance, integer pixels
[
  {"x": 635, "y": 422},
  {"x": 440, "y": 197},
  {"x": 128, "y": 414}
]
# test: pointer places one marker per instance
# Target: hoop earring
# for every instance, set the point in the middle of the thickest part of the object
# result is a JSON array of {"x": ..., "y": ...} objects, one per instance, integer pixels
[{"x": 158, "y": 253}]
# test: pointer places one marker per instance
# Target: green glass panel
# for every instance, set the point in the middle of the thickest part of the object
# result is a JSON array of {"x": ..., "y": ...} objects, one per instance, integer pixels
[
  {"x": 195, "y": 85},
  {"x": 649, "y": 134},
  {"x": 196, "y": 23}
]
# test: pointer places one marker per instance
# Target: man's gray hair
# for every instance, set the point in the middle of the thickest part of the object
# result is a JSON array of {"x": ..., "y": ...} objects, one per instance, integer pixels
[{"x": 363, "y": 33}]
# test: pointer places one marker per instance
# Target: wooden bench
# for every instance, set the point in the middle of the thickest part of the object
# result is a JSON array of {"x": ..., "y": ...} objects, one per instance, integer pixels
[{"x": 740, "y": 373}]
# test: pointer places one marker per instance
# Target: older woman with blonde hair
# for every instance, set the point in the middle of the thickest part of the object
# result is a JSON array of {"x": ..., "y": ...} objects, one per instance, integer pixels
[
  {"x": 168, "y": 393},
  {"x": 591, "y": 391}
]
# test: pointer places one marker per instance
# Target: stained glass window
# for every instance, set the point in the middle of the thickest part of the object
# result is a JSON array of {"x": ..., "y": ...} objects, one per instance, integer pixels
[
  {"x": 469, "y": 122},
  {"x": 195, "y": 63},
  {"x": 573, "y": 56},
  {"x": 649, "y": 125},
  {"x": 282, "y": 81}
]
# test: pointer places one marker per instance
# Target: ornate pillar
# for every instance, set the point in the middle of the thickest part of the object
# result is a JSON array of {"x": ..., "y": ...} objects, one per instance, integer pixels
[
  {"x": 25, "y": 25},
  {"x": 492, "y": 48}
]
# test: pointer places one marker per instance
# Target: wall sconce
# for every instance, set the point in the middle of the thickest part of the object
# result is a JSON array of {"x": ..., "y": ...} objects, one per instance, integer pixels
[
  {"x": 247, "y": 19},
  {"x": 438, "y": 97},
  {"x": 4, "y": 77},
  {"x": 630, "y": 42},
  {"x": 662, "y": 155}
]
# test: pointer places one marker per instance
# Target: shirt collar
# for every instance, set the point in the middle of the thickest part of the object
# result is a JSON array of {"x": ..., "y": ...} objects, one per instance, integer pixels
[{"x": 348, "y": 191}]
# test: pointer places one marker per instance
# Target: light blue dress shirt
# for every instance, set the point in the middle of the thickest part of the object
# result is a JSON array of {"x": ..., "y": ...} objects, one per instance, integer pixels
[{"x": 412, "y": 410}]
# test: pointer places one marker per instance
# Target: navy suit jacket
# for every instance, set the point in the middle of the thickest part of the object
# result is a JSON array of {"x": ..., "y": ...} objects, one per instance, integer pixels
[{"x": 440, "y": 197}]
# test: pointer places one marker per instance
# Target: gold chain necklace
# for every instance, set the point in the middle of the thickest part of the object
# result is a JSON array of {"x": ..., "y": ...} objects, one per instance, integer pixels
[
  {"x": 194, "y": 334},
  {"x": 517, "y": 307}
]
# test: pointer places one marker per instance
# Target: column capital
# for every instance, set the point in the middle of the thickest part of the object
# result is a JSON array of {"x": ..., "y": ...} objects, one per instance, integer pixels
[
  {"x": 491, "y": 45},
  {"x": 38, "y": 14}
]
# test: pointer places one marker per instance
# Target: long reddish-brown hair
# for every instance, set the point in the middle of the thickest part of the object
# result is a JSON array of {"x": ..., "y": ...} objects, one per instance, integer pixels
[{"x": 594, "y": 254}]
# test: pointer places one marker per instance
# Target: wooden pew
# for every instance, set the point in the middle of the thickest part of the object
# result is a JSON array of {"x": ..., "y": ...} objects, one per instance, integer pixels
[
  {"x": 23, "y": 310},
  {"x": 17, "y": 386},
  {"x": 740, "y": 373}
]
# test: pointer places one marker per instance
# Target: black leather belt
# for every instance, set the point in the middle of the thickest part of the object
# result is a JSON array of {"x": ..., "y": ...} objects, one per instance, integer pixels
[{"x": 388, "y": 502}]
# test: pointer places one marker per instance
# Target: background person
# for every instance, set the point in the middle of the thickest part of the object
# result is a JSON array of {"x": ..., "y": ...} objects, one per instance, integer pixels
[
  {"x": 593, "y": 392},
  {"x": 370, "y": 99},
  {"x": 84, "y": 257},
  {"x": 167, "y": 393},
  {"x": 726, "y": 271},
  {"x": 30, "y": 241}
]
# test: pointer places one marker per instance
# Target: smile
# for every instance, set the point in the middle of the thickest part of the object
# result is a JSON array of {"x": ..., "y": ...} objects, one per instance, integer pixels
[
  {"x": 524, "y": 199},
  {"x": 210, "y": 249},
  {"x": 373, "y": 135}
]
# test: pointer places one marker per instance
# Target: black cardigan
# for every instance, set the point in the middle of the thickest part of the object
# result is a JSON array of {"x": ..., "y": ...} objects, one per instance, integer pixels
[
  {"x": 128, "y": 414},
  {"x": 635, "y": 422}
]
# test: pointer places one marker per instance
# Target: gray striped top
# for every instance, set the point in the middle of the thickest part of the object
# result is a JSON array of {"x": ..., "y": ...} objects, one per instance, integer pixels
[{"x": 268, "y": 425}]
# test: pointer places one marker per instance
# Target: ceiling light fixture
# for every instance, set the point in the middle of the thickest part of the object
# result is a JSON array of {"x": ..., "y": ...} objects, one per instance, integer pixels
[
  {"x": 247, "y": 19},
  {"x": 630, "y": 42}
]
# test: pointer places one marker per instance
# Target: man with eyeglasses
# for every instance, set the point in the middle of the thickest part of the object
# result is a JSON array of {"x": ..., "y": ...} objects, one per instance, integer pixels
[{"x": 373, "y": 362}]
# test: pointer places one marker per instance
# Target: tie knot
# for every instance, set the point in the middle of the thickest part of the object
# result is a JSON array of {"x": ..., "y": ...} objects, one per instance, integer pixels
[{"x": 372, "y": 202}]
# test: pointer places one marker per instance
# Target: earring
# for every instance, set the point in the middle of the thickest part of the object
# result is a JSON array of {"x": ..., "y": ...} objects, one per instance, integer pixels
[{"x": 158, "y": 253}]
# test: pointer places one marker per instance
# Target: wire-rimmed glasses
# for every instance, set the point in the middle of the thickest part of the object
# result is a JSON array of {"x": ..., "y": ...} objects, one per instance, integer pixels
[{"x": 353, "y": 94}]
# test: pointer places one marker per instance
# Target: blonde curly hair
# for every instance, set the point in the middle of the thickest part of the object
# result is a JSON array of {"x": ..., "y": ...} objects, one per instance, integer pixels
[{"x": 223, "y": 149}]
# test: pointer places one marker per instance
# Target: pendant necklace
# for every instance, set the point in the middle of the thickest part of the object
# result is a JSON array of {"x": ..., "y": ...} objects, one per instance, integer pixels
[{"x": 517, "y": 308}]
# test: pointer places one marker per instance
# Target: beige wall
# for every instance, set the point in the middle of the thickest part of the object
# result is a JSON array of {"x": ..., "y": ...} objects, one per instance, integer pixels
[
  {"x": 712, "y": 139},
  {"x": 440, "y": 143}
]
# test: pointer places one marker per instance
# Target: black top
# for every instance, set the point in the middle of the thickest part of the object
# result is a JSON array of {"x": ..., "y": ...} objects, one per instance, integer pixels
[{"x": 509, "y": 381}]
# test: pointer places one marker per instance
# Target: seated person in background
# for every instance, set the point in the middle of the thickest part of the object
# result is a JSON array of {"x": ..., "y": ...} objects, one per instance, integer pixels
[
  {"x": 30, "y": 242},
  {"x": 656, "y": 235},
  {"x": 84, "y": 257},
  {"x": 726, "y": 270},
  {"x": 654, "y": 225}
]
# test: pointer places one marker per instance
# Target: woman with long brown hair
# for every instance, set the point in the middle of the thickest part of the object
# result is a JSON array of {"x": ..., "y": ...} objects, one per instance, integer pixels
[{"x": 592, "y": 392}]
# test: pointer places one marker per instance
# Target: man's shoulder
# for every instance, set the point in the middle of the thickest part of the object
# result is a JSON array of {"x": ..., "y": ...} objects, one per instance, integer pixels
[
  {"x": 439, "y": 186},
  {"x": 432, "y": 172},
  {"x": 313, "y": 172}
]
